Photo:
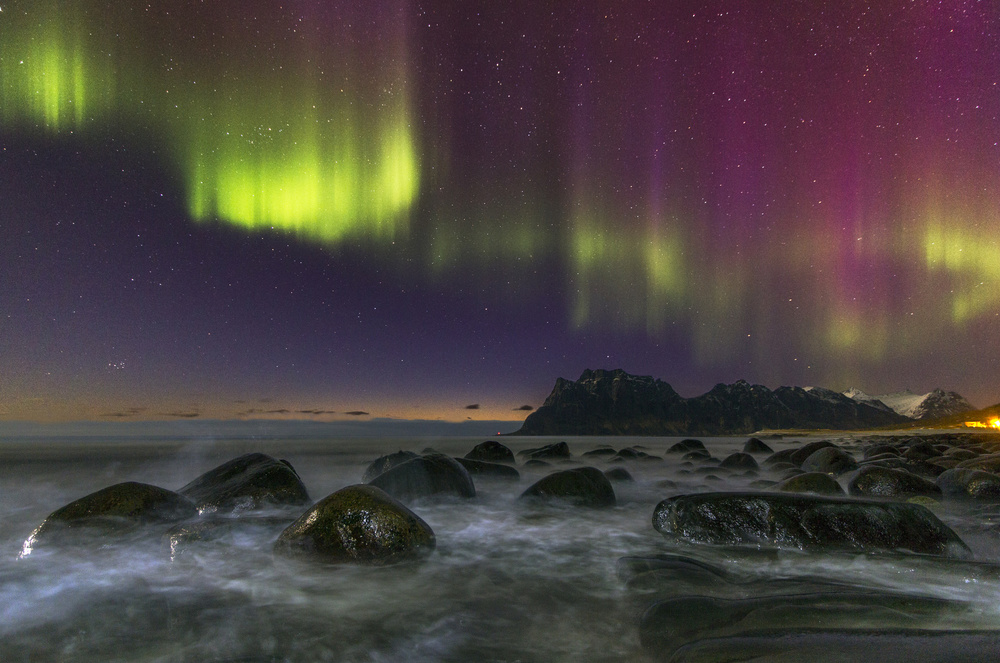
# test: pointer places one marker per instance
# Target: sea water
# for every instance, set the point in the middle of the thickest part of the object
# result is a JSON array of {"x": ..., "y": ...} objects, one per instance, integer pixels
[{"x": 508, "y": 581}]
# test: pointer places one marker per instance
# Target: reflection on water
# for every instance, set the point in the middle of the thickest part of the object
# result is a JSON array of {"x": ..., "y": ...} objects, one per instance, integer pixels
[{"x": 507, "y": 582}]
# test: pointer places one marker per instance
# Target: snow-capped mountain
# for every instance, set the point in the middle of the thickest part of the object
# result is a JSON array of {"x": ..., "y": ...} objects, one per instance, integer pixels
[
  {"x": 932, "y": 405},
  {"x": 859, "y": 396}
]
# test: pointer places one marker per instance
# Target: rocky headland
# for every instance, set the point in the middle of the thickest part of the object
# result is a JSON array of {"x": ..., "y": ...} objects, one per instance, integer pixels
[{"x": 613, "y": 402}]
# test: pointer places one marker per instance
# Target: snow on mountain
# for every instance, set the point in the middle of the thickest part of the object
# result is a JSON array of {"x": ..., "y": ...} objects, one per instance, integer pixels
[
  {"x": 904, "y": 402},
  {"x": 934, "y": 404},
  {"x": 856, "y": 394}
]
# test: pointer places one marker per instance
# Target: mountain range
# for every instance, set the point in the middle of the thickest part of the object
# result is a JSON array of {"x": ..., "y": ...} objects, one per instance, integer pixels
[{"x": 613, "y": 402}]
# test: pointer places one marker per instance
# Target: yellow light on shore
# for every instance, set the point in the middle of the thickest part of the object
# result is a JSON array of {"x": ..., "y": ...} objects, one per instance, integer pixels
[{"x": 992, "y": 423}]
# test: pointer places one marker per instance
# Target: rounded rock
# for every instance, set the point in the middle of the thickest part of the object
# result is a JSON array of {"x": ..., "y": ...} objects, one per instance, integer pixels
[
  {"x": 359, "y": 524},
  {"x": 491, "y": 451},
  {"x": 830, "y": 460},
  {"x": 582, "y": 486},
  {"x": 875, "y": 481}
]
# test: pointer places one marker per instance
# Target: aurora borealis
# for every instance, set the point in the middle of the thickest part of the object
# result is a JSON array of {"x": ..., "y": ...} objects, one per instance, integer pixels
[{"x": 307, "y": 208}]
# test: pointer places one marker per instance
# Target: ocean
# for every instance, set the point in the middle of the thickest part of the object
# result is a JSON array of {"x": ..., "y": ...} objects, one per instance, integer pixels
[{"x": 508, "y": 581}]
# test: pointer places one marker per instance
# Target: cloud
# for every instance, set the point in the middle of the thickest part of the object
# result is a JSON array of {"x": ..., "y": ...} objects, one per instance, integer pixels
[
  {"x": 474, "y": 406},
  {"x": 124, "y": 414},
  {"x": 357, "y": 413},
  {"x": 524, "y": 408},
  {"x": 181, "y": 415},
  {"x": 317, "y": 412}
]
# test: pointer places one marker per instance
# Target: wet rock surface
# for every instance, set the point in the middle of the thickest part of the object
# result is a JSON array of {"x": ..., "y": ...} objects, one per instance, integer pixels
[
  {"x": 806, "y": 522},
  {"x": 108, "y": 515},
  {"x": 554, "y": 451},
  {"x": 387, "y": 462},
  {"x": 491, "y": 451},
  {"x": 968, "y": 483},
  {"x": 359, "y": 524},
  {"x": 668, "y": 625},
  {"x": 875, "y": 481},
  {"x": 247, "y": 483},
  {"x": 817, "y": 483},
  {"x": 434, "y": 475},
  {"x": 582, "y": 486},
  {"x": 484, "y": 469},
  {"x": 830, "y": 460}
]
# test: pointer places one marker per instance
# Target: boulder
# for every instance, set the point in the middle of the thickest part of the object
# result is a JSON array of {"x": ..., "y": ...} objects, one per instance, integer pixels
[
  {"x": 600, "y": 451},
  {"x": 618, "y": 474},
  {"x": 875, "y": 481},
  {"x": 628, "y": 454},
  {"x": 817, "y": 483},
  {"x": 739, "y": 461},
  {"x": 756, "y": 446},
  {"x": 670, "y": 624},
  {"x": 359, "y": 524},
  {"x": 798, "y": 456},
  {"x": 697, "y": 454},
  {"x": 387, "y": 462},
  {"x": 246, "y": 483},
  {"x": 582, "y": 486},
  {"x": 109, "y": 515},
  {"x": 989, "y": 463},
  {"x": 806, "y": 522},
  {"x": 235, "y": 533},
  {"x": 685, "y": 446},
  {"x": 830, "y": 460},
  {"x": 780, "y": 457},
  {"x": 482, "y": 468},
  {"x": 491, "y": 451},
  {"x": 435, "y": 475},
  {"x": 554, "y": 451},
  {"x": 879, "y": 449},
  {"x": 967, "y": 483},
  {"x": 823, "y": 645}
]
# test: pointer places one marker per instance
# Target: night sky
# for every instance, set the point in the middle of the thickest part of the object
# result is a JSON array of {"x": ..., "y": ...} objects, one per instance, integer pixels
[{"x": 241, "y": 208}]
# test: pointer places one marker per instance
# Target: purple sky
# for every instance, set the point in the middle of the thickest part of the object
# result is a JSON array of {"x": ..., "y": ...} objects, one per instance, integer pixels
[{"x": 404, "y": 208}]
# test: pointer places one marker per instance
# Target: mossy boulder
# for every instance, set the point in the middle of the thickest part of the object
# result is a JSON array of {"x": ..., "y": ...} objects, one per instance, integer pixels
[
  {"x": 109, "y": 515},
  {"x": 886, "y": 482},
  {"x": 968, "y": 483},
  {"x": 806, "y": 522},
  {"x": 817, "y": 483},
  {"x": 360, "y": 524},
  {"x": 387, "y": 462},
  {"x": 434, "y": 475},
  {"x": 798, "y": 456},
  {"x": 830, "y": 460},
  {"x": 582, "y": 486},
  {"x": 247, "y": 483},
  {"x": 491, "y": 451}
]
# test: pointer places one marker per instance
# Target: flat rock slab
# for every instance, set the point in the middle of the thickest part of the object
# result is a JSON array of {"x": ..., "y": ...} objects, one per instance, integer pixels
[
  {"x": 828, "y": 646},
  {"x": 670, "y": 624},
  {"x": 806, "y": 522}
]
